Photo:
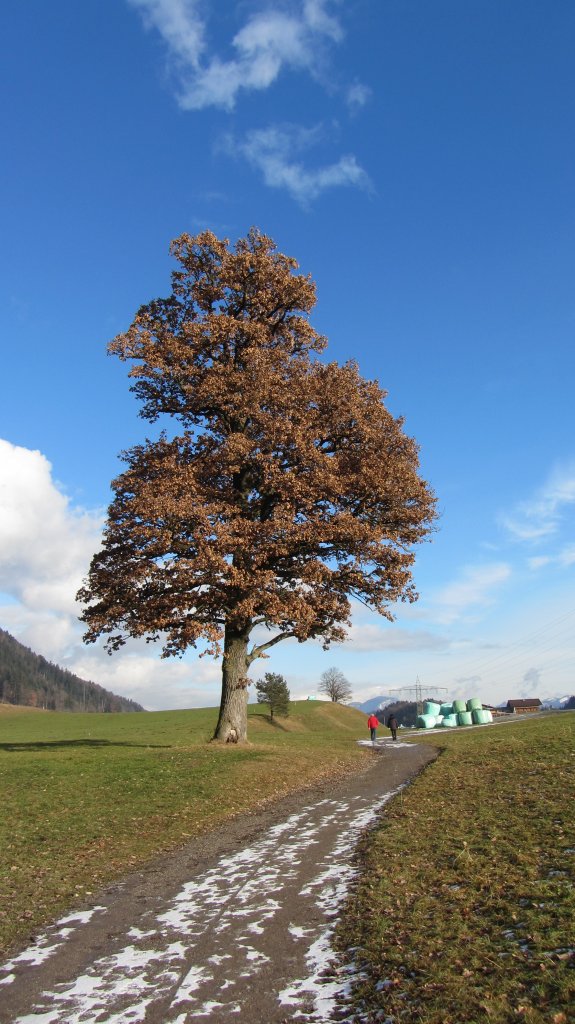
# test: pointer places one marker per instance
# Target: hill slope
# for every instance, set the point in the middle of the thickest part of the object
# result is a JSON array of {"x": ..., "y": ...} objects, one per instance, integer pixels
[{"x": 28, "y": 679}]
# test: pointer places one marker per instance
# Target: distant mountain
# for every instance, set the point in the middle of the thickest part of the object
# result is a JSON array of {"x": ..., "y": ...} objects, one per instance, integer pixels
[
  {"x": 374, "y": 704},
  {"x": 558, "y": 703},
  {"x": 404, "y": 710},
  {"x": 28, "y": 679}
]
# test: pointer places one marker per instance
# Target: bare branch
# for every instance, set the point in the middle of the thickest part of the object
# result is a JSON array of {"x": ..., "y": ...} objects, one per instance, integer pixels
[{"x": 256, "y": 652}]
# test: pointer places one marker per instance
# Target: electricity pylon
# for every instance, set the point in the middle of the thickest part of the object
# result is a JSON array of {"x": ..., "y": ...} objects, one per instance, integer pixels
[{"x": 417, "y": 691}]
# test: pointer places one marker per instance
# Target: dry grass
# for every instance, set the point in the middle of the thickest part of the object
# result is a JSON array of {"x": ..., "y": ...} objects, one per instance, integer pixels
[{"x": 465, "y": 907}]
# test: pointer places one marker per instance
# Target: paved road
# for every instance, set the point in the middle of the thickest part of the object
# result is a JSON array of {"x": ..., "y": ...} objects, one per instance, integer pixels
[{"x": 237, "y": 926}]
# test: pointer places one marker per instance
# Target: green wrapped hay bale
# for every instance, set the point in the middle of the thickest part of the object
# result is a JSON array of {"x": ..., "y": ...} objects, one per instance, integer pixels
[
  {"x": 474, "y": 704},
  {"x": 479, "y": 716},
  {"x": 425, "y": 721},
  {"x": 450, "y": 721},
  {"x": 446, "y": 709},
  {"x": 430, "y": 707},
  {"x": 464, "y": 718},
  {"x": 488, "y": 717},
  {"x": 439, "y": 722},
  {"x": 459, "y": 706}
]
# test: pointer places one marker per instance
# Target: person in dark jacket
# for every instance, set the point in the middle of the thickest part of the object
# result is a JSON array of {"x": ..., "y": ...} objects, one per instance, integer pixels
[
  {"x": 392, "y": 726},
  {"x": 372, "y": 724}
]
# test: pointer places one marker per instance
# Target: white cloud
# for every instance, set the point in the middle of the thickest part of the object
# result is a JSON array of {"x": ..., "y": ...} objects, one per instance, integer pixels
[
  {"x": 357, "y": 96},
  {"x": 365, "y": 637},
  {"x": 274, "y": 151},
  {"x": 55, "y": 636},
  {"x": 157, "y": 684},
  {"x": 270, "y": 41},
  {"x": 45, "y": 544},
  {"x": 541, "y": 516},
  {"x": 473, "y": 589},
  {"x": 180, "y": 25},
  {"x": 45, "y": 549}
]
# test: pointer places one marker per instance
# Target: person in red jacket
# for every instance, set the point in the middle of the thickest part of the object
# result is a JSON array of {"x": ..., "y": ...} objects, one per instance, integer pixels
[{"x": 372, "y": 724}]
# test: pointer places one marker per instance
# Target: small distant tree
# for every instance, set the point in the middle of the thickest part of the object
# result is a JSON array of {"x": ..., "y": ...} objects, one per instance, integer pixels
[
  {"x": 335, "y": 685},
  {"x": 273, "y": 690}
]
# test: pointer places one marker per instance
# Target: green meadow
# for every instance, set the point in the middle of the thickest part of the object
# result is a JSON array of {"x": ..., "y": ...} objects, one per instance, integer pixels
[
  {"x": 86, "y": 797},
  {"x": 464, "y": 904},
  {"x": 464, "y": 910}
]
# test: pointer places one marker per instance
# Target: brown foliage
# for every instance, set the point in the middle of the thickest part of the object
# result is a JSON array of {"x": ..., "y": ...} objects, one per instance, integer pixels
[{"x": 289, "y": 489}]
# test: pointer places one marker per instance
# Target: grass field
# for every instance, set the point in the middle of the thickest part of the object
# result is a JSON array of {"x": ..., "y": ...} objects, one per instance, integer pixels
[
  {"x": 465, "y": 907},
  {"x": 87, "y": 796}
]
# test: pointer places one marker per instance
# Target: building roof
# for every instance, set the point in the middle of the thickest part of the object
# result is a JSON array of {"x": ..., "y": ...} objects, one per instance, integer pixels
[{"x": 530, "y": 702}]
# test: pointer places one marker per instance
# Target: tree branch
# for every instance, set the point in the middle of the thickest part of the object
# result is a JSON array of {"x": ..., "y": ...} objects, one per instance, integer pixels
[{"x": 256, "y": 652}]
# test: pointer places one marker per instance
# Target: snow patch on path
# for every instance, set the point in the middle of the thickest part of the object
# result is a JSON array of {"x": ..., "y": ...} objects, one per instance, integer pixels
[
  {"x": 180, "y": 956},
  {"x": 47, "y": 944}
]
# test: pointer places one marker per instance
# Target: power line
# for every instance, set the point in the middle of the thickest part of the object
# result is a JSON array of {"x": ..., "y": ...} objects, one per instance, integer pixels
[{"x": 417, "y": 690}]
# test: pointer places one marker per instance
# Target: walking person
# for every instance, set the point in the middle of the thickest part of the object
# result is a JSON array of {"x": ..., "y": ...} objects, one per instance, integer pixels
[
  {"x": 372, "y": 724},
  {"x": 392, "y": 726}
]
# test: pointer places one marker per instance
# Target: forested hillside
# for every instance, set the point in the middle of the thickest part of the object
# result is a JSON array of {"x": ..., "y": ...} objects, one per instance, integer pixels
[
  {"x": 27, "y": 678},
  {"x": 405, "y": 711}
]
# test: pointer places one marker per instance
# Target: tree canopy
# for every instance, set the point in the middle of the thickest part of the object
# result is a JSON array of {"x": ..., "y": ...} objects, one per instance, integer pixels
[{"x": 288, "y": 490}]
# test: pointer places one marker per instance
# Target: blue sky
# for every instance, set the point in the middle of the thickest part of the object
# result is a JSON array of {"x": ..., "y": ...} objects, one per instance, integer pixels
[{"x": 417, "y": 158}]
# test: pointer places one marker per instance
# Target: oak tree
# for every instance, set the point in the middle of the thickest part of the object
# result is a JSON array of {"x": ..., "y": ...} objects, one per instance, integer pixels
[
  {"x": 285, "y": 489},
  {"x": 335, "y": 685}
]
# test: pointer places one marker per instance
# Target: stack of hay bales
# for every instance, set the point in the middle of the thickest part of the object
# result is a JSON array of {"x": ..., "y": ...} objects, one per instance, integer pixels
[
  {"x": 431, "y": 711},
  {"x": 448, "y": 716}
]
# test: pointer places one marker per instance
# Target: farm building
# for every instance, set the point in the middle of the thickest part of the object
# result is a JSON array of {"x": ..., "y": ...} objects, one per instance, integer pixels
[{"x": 523, "y": 707}]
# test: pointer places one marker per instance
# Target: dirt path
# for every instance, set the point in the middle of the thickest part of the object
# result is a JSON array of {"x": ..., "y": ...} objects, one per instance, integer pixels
[{"x": 235, "y": 926}]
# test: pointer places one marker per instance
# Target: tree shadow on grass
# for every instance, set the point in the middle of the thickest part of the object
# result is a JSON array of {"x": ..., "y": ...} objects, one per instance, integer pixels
[
  {"x": 74, "y": 744},
  {"x": 269, "y": 720}
]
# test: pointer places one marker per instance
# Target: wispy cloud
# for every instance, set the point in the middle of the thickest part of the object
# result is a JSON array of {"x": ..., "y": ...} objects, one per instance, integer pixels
[
  {"x": 474, "y": 589},
  {"x": 357, "y": 96},
  {"x": 292, "y": 38},
  {"x": 538, "y": 562},
  {"x": 468, "y": 680},
  {"x": 368, "y": 637},
  {"x": 531, "y": 683},
  {"x": 275, "y": 151},
  {"x": 564, "y": 559},
  {"x": 540, "y": 517},
  {"x": 180, "y": 25}
]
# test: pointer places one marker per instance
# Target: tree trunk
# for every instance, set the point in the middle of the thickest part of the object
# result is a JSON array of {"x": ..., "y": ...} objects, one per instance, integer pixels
[{"x": 232, "y": 724}]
